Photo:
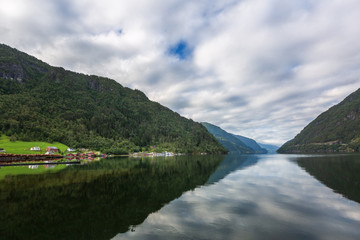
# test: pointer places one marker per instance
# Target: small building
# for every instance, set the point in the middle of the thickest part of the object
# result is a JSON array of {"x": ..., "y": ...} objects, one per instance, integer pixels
[
  {"x": 35, "y": 149},
  {"x": 71, "y": 155},
  {"x": 89, "y": 154},
  {"x": 2, "y": 150},
  {"x": 49, "y": 153},
  {"x": 52, "y": 149},
  {"x": 70, "y": 150}
]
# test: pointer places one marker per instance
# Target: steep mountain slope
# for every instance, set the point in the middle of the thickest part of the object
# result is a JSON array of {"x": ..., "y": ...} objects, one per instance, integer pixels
[
  {"x": 41, "y": 102},
  {"x": 336, "y": 130},
  {"x": 251, "y": 143},
  {"x": 228, "y": 140}
]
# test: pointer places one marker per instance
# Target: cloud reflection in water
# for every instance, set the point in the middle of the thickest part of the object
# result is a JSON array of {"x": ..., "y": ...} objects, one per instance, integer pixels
[{"x": 274, "y": 198}]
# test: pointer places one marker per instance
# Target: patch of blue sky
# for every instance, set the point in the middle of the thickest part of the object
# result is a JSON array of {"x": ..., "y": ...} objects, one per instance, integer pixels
[{"x": 180, "y": 50}]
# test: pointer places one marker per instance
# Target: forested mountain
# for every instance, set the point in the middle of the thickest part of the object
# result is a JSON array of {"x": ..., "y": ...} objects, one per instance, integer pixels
[
  {"x": 41, "y": 102},
  {"x": 251, "y": 143},
  {"x": 233, "y": 142},
  {"x": 336, "y": 130}
]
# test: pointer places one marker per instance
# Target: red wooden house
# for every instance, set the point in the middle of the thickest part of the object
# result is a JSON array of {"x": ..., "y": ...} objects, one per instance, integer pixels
[
  {"x": 52, "y": 149},
  {"x": 90, "y": 154}
]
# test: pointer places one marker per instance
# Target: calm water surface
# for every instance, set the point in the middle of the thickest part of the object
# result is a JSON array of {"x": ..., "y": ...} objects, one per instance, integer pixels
[{"x": 205, "y": 197}]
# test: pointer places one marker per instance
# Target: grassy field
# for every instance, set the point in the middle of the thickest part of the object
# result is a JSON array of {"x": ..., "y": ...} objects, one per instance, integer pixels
[
  {"x": 20, "y": 147},
  {"x": 26, "y": 170}
]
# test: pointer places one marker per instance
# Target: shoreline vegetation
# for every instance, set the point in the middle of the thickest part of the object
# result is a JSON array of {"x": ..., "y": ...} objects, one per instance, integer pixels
[
  {"x": 78, "y": 155},
  {"x": 44, "y": 157},
  {"x": 18, "y": 152},
  {"x": 7, "y": 159}
]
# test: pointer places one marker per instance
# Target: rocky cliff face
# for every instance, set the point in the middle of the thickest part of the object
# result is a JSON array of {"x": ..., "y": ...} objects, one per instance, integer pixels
[
  {"x": 12, "y": 71},
  {"x": 19, "y": 66}
]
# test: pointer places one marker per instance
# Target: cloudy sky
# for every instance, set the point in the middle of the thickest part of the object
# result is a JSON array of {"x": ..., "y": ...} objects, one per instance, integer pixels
[{"x": 259, "y": 68}]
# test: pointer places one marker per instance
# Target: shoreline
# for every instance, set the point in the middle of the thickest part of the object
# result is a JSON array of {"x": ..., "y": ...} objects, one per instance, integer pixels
[
  {"x": 38, "y": 163},
  {"x": 8, "y": 157}
]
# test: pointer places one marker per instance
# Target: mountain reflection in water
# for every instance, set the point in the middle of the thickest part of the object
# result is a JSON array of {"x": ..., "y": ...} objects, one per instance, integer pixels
[
  {"x": 98, "y": 200},
  {"x": 197, "y": 197},
  {"x": 339, "y": 172},
  {"x": 231, "y": 163},
  {"x": 271, "y": 197}
]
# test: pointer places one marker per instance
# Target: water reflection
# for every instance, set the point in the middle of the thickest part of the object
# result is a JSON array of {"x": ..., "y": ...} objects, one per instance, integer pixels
[
  {"x": 231, "y": 163},
  {"x": 247, "y": 197},
  {"x": 339, "y": 172},
  {"x": 273, "y": 199},
  {"x": 98, "y": 200}
]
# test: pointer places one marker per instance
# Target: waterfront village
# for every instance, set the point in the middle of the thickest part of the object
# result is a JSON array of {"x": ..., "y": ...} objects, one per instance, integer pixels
[
  {"x": 54, "y": 155},
  {"x": 83, "y": 153}
]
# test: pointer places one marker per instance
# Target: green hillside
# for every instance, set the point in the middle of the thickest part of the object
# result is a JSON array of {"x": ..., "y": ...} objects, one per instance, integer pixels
[
  {"x": 336, "y": 130},
  {"x": 39, "y": 102},
  {"x": 229, "y": 141}
]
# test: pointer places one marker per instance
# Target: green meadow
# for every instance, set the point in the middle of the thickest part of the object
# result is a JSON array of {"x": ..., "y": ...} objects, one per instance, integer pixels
[{"x": 20, "y": 147}]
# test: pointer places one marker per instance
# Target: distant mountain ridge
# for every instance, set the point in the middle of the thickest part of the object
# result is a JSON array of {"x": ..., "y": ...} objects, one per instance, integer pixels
[
  {"x": 335, "y": 130},
  {"x": 269, "y": 147},
  {"x": 251, "y": 143},
  {"x": 234, "y": 143},
  {"x": 39, "y": 102}
]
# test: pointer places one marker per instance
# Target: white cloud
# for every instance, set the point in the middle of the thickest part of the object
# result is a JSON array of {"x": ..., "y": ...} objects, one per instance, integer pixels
[{"x": 261, "y": 68}]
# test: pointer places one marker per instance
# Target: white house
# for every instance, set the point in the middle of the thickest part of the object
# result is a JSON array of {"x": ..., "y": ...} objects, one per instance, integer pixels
[
  {"x": 70, "y": 150},
  {"x": 35, "y": 149}
]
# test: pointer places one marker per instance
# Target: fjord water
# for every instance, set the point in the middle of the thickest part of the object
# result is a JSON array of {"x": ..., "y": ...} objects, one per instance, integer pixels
[{"x": 188, "y": 197}]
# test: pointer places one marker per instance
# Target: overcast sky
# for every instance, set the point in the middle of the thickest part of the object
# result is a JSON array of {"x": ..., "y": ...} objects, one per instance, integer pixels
[{"x": 259, "y": 68}]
